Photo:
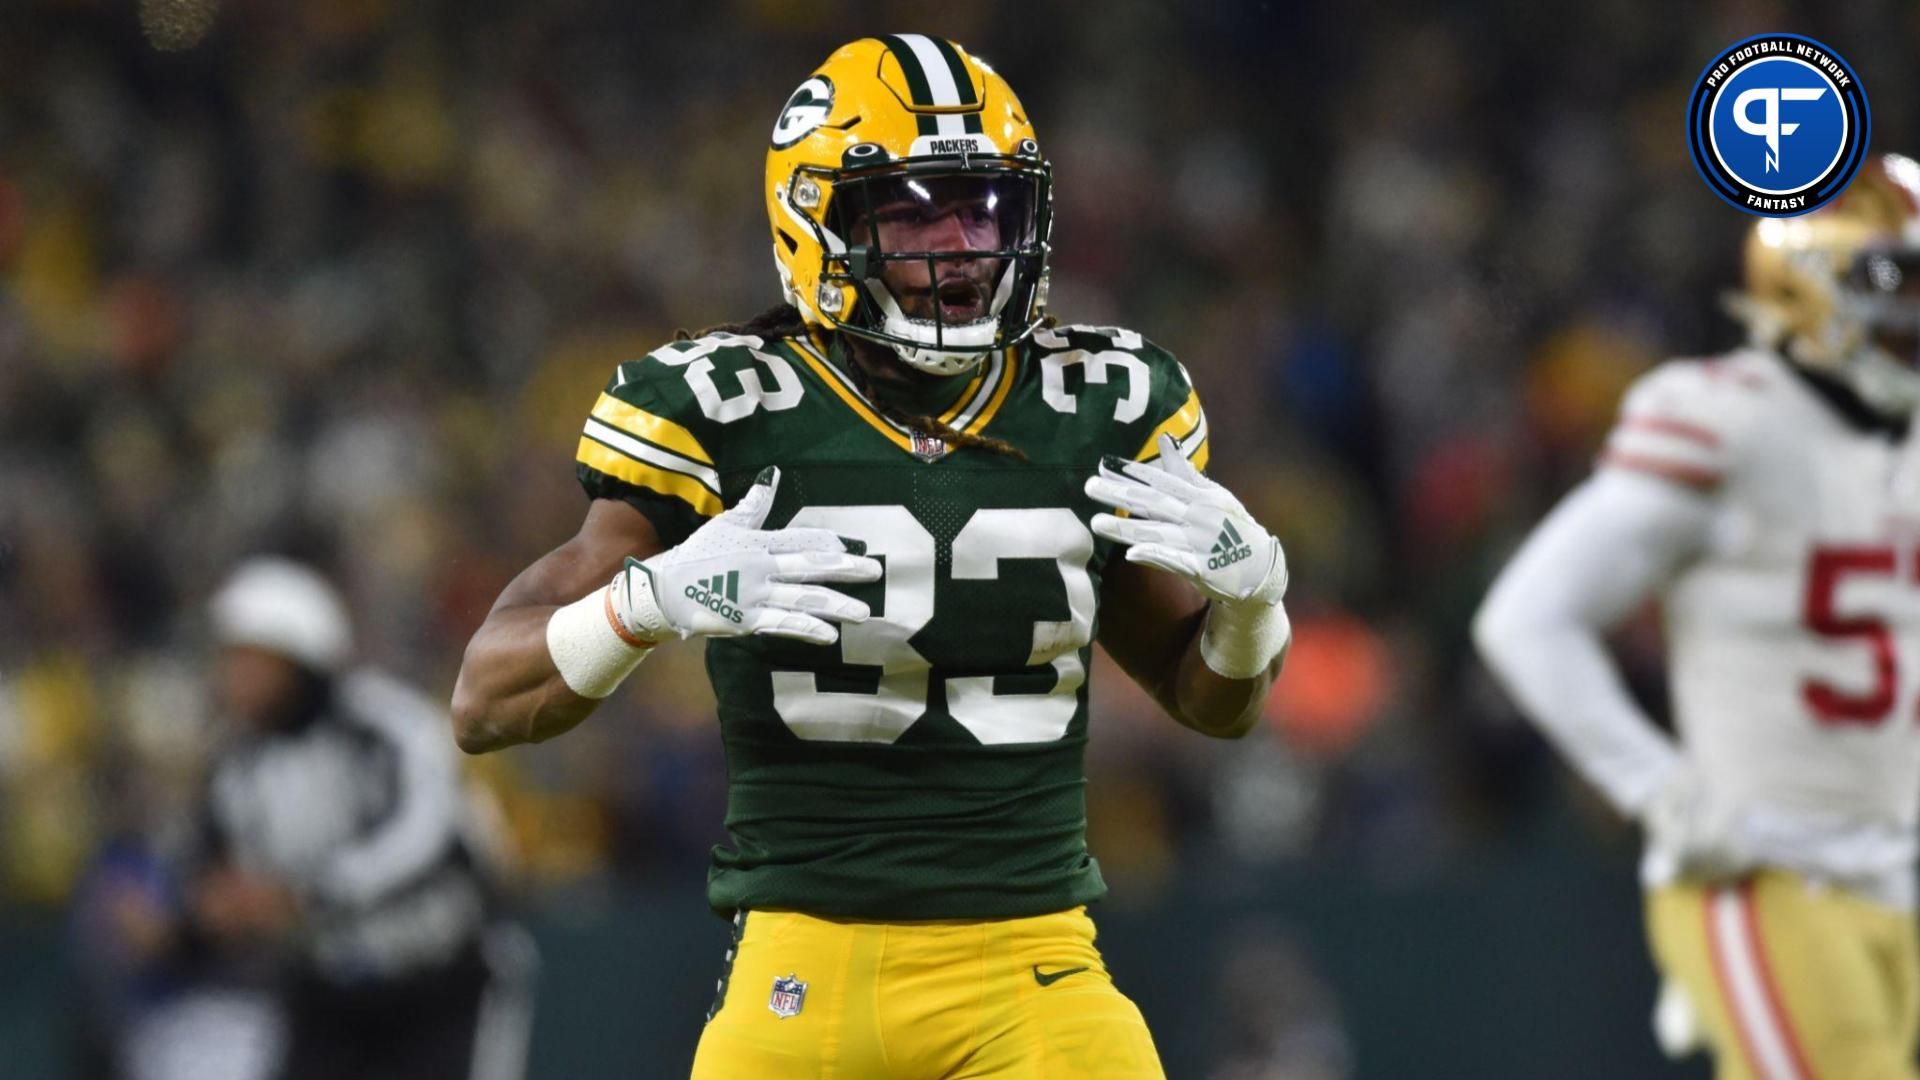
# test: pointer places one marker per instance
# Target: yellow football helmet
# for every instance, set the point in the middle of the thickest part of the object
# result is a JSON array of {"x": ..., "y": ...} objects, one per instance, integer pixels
[
  {"x": 1838, "y": 290},
  {"x": 909, "y": 127}
]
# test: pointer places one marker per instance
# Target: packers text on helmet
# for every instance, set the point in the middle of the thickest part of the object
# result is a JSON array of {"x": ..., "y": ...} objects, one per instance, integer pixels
[{"x": 910, "y": 203}]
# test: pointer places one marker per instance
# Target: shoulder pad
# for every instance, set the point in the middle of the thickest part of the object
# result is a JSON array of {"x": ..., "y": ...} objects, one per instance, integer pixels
[
  {"x": 657, "y": 426},
  {"x": 1108, "y": 372},
  {"x": 1687, "y": 420}
]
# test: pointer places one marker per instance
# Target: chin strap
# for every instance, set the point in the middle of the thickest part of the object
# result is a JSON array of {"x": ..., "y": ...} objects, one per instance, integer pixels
[{"x": 935, "y": 362}]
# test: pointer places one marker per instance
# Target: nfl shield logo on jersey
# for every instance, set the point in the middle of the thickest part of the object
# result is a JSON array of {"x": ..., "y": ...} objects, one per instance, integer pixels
[
  {"x": 928, "y": 447},
  {"x": 788, "y": 995}
]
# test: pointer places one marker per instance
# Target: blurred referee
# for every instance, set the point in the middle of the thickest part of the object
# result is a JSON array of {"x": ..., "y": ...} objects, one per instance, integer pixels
[{"x": 339, "y": 838}]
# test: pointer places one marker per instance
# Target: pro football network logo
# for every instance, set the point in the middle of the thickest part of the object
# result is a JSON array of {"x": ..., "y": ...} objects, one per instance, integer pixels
[{"x": 1778, "y": 124}]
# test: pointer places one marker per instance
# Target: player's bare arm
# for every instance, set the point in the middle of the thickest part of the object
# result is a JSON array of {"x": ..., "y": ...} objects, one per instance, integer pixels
[
  {"x": 1150, "y": 626},
  {"x": 509, "y": 690},
  {"x": 560, "y": 659}
]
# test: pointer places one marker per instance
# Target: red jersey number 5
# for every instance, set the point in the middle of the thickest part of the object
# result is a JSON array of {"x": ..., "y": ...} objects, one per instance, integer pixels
[{"x": 1829, "y": 568}]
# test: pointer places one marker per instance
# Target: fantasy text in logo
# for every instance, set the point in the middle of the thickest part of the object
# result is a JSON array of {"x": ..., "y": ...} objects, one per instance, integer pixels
[{"x": 1778, "y": 124}]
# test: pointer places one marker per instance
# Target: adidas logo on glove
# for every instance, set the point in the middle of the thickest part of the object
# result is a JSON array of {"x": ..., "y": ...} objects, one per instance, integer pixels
[
  {"x": 718, "y": 594},
  {"x": 1228, "y": 549}
]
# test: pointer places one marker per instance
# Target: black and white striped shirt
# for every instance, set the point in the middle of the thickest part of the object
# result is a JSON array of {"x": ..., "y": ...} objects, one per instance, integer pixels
[{"x": 361, "y": 812}]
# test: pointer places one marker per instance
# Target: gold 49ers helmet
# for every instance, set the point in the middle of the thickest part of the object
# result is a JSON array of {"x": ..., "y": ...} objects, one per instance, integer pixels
[
  {"x": 910, "y": 136},
  {"x": 1838, "y": 289}
]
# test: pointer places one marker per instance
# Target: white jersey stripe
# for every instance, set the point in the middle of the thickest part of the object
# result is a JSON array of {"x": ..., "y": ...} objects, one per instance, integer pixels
[
  {"x": 997, "y": 368},
  {"x": 1763, "y": 1032},
  {"x": 651, "y": 454},
  {"x": 1191, "y": 444},
  {"x": 1666, "y": 447}
]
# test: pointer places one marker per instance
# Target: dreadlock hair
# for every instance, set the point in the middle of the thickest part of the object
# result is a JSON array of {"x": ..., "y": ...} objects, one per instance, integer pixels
[
  {"x": 779, "y": 321},
  {"x": 784, "y": 320}
]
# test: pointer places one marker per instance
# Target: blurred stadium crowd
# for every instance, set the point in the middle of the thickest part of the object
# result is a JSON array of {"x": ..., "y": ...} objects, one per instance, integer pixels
[{"x": 343, "y": 281}]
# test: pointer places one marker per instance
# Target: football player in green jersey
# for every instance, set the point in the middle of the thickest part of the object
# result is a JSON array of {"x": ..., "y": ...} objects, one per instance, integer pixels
[{"x": 901, "y": 507}]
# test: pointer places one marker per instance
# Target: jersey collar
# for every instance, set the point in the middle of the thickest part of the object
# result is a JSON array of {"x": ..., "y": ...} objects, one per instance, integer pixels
[
  {"x": 977, "y": 403},
  {"x": 1841, "y": 399}
]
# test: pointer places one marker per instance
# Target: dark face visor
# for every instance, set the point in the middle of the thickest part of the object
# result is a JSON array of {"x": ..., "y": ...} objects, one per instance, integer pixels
[
  {"x": 1883, "y": 286},
  {"x": 982, "y": 226}
]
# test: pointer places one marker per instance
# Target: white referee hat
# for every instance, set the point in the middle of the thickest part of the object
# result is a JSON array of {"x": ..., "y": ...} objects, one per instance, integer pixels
[{"x": 285, "y": 607}]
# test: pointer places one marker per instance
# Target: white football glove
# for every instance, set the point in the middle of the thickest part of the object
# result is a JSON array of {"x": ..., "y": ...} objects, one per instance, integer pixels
[
  {"x": 732, "y": 577},
  {"x": 1687, "y": 822},
  {"x": 1188, "y": 525}
]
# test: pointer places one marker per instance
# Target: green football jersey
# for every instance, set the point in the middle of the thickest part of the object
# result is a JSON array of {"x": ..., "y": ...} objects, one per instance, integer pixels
[{"x": 929, "y": 764}]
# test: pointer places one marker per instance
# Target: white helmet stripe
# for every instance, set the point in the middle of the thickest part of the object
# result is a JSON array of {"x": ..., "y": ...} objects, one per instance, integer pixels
[
  {"x": 934, "y": 66},
  {"x": 940, "y": 82}
]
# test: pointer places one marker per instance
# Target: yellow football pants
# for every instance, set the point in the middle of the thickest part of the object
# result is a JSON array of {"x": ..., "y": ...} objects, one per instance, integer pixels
[
  {"x": 1791, "y": 980},
  {"x": 1004, "y": 998}
]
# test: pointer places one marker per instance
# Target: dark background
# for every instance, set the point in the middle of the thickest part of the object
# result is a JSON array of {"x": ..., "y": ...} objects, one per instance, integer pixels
[{"x": 344, "y": 278}]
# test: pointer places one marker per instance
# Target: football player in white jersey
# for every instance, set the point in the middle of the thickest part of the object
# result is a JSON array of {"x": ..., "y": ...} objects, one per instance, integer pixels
[{"x": 1770, "y": 499}]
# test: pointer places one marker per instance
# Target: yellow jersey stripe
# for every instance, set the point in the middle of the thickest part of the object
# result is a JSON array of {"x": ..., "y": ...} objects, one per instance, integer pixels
[
  {"x": 640, "y": 474},
  {"x": 845, "y": 393},
  {"x": 655, "y": 429},
  {"x": 999, "y": 395},
  {"x": 645, "y": 452},
  {"x": 965, "y": 399},
  {"x": 992, "y": 373},
  {"x": 1180, "y": 425}
]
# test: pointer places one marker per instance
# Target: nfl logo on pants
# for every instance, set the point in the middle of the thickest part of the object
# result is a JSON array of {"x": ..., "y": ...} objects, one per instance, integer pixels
[{"x": 788, "y": 995}]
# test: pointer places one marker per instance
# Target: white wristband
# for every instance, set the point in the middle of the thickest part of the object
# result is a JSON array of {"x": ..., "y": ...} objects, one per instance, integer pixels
[
  {"x": 1239, "y": 640},
  {"x": 1241, "y": 637},
  {"x": 591, "y": 655}
]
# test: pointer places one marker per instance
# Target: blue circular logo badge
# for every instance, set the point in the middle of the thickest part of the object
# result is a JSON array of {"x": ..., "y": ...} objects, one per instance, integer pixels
[{"x": 1778, "y": 125}]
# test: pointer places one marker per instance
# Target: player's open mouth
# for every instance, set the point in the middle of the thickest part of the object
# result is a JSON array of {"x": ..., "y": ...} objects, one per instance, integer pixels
[{"x": 960, "y": 300}]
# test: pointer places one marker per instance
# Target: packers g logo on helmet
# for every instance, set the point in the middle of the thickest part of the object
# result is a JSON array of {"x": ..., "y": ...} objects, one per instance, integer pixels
[
  {"x": 910, "y": 128},
  {"x": 806, "y": 109}
]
